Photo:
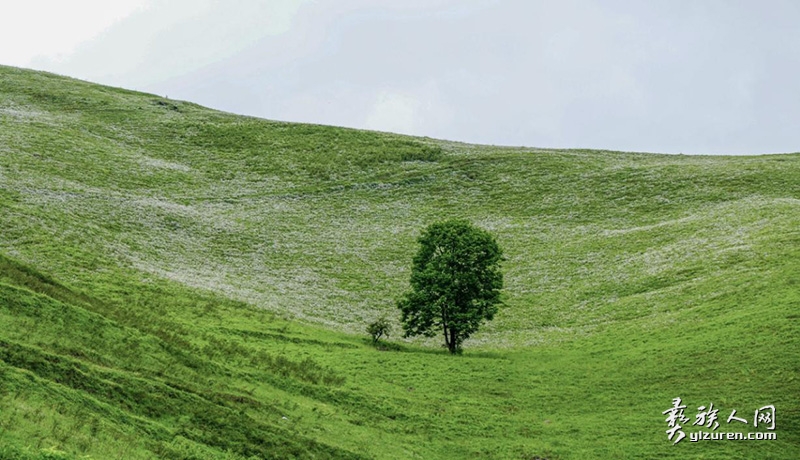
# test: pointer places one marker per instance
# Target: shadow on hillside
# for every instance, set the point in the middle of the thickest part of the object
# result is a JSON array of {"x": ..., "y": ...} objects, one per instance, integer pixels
[{"x": 403, "y": 348}]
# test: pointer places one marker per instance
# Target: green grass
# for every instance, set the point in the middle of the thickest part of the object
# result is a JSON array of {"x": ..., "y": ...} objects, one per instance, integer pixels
[{"x": 181, "y": 283}]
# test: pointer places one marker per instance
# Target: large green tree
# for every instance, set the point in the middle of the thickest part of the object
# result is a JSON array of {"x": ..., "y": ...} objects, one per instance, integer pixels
[{"x": 455, "y": 283}]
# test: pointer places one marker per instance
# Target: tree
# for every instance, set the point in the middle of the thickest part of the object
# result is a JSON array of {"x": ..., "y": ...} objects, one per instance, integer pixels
[
  {"x": 455, "y": 283},
  {"x": 379, "y": 328}
]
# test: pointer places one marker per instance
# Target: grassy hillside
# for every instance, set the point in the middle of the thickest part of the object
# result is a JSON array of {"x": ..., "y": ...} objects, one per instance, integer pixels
[{"x": 177, "y": 282}]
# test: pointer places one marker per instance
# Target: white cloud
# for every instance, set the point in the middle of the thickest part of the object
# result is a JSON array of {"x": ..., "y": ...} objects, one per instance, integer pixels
[
  {"x": 171, "y": 38},
  {"x": 393, "y": 112},
  {"x": 53, "y": 28},
  {"x": 420, "y": 110}
]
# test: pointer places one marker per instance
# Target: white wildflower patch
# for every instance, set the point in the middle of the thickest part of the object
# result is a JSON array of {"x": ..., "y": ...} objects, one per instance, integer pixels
[
  {"x": 20, "y": 113},
  {"x": 722, "y": 228},
  {"x": 158, "y": 163},
  {"x": 23, "y": 113}
]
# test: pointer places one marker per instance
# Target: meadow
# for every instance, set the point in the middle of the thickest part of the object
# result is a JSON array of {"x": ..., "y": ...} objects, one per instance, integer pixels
[{"x": 182, "y": 283}]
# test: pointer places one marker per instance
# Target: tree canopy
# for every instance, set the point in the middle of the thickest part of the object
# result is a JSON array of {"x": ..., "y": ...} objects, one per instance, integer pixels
[
  {"x": 455, "y": 283},
  {"x": 379, "y": 328}
]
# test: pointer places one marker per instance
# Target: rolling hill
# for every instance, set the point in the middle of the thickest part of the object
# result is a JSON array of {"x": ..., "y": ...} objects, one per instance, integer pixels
[{"x": 182, "y": 283}]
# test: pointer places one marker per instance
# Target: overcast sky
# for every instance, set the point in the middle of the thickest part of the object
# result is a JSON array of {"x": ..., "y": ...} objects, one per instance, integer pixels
[{"x": 658, "y": 76}]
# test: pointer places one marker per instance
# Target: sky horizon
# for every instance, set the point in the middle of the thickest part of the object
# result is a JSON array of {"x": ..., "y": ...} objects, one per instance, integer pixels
[{"x": 712, "y": 77}]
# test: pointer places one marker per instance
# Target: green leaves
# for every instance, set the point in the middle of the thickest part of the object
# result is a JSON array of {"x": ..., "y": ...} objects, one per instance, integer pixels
[
  {"x": 379, "y": 328},
  {"x": 455, "y": 283}
]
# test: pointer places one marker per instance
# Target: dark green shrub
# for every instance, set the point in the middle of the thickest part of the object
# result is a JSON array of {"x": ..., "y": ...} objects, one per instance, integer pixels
[{"x": 379, "y": 328}]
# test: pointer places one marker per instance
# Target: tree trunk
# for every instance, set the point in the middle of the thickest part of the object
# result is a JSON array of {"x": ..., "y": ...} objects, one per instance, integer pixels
[
  {"x": 452, "y": 345},
  {"x": 446, "y": 330}
]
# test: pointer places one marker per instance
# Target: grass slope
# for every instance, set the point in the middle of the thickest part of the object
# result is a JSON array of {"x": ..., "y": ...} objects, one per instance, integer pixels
[{"x": 158, "y": 256}]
